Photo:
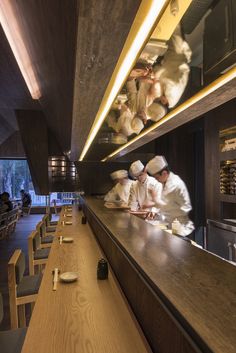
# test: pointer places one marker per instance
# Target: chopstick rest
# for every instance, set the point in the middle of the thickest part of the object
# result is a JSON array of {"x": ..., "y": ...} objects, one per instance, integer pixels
[{"x": 55, "y": 273}]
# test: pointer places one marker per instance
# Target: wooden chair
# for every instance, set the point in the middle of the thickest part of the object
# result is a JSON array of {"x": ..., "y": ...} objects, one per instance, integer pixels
[
  {"x": 3, "y": 225},
  {"x": 49, "y": 228},
  {"x": 46, "y": 240},
  {"x": 26, "y": 210},
  {"x": 22, "y": 289},
  {"x": 12, "y": 219},
  {"x": 11, "y": 340},
  {"x": 37, "y": 255}
]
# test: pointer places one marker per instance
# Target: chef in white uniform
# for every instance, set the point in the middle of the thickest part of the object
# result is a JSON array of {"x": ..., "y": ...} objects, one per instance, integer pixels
[
  {"x": 163, "y": 87},
  {"x": 175, "y": 201},
  {"x": 121, "y": 191},
  {"x": 143, "y": 188}
]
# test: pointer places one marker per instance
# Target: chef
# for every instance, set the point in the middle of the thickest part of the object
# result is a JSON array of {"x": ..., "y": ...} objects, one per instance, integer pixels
[
  {"x": 143, "y": 188},
  {"x": 121, "y": 190},
  {"x": 175, "y": 202}
]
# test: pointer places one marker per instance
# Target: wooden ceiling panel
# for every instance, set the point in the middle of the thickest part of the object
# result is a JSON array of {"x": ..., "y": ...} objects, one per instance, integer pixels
[{"x": 102, "y": 30}]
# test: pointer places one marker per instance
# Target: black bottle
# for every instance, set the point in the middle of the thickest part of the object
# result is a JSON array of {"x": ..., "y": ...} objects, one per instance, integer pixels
[{"x": 102, "y": 269}]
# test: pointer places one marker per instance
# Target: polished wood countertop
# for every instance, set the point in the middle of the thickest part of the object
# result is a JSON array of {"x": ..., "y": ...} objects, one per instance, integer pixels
[
  {"x": 197, "y": 287},
  {"x": 85, "y": 316}
]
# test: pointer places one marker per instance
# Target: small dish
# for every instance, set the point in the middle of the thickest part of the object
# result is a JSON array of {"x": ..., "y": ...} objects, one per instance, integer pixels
[
  {"x": 68, "y": 223},
  {"x": 68, "y": 215},
  {"x": 67, "y": 240},
  {"x": 69, "y": 277}
]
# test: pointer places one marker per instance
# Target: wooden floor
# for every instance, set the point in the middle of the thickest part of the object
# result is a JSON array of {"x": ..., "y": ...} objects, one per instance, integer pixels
[{"x": 17, "y": 240}]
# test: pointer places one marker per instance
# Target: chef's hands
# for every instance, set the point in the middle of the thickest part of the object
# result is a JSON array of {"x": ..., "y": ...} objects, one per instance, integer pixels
[{"x": 151, "y": 215}]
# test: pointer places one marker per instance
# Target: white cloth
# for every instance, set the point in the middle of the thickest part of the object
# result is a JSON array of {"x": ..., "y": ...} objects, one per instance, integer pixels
[
  {"x": 175, "y": 203},
  {"x": 119, "y": 192},
  {"x": 140, "y": 193}
]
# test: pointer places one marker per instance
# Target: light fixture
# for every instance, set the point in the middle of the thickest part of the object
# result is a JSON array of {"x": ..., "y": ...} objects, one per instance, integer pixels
[
  {"x": 230, "y": 75},
  {"x": 10, "y": 25},
  {"x": 144, "y": 23}
]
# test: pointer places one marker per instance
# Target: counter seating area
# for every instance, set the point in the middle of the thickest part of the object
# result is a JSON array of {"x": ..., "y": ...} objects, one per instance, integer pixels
[
  {"x": 183, "y": 297},
  {"x": 8, "y": 222},
  {"x": 86, "y": 315}
]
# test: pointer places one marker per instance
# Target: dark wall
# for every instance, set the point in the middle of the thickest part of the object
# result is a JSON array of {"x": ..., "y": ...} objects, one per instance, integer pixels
[
  {"x": 218, "y": 119},
  {"x": 184, "y": 151},
  {"x": 95, "y": 176}
]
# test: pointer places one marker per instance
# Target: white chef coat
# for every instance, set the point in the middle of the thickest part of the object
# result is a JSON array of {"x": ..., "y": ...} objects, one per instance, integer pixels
[
  {"x": 175, "y": 203},
  {"x": 119, "y": 192},
  {"x": 140, "y": 193},
  {"x": 173, "y": 72}
]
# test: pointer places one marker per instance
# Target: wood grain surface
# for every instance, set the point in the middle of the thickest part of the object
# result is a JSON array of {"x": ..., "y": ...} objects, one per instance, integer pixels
[
  {"x": 198, "y": 288},
  {"x": 84, "y": 316}
]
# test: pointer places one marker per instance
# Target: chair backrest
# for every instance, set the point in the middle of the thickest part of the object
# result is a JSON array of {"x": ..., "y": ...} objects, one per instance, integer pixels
[
  {"x": 34, "y": 241},
  {"x": 1, "y": 308},
  {"x": 16, "y": 269},
  {"x": 41, "y": 228}
]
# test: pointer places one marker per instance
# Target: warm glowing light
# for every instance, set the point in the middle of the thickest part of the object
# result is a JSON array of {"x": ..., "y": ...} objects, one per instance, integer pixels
[
  {"x": 141, "y": 29},
  {"x": 230, "y": 75},
  {"x": 12, "y": 30}
]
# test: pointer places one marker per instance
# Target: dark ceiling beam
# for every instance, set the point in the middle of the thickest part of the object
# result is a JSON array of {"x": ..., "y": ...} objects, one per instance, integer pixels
[
  {"x": 102, "y": 30},
  {"x": 34, "y": 134}
]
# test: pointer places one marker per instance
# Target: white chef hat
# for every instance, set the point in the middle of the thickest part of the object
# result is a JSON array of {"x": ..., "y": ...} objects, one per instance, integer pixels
[
  {"x": 119, "y": 174},
  {"x": 136, "y": 168},
  {"x": 156, "y": 164},
  {"x": 137, "y": 125}
]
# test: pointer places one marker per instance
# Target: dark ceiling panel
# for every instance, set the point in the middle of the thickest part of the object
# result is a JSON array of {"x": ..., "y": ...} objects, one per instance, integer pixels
[
  {"x": 14, "y": 93},
  {"x": 49, "y": 29},
  {"x": 102, "y": 30}
]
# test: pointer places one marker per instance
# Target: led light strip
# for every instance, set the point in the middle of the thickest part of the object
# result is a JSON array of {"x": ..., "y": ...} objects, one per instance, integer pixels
[
  {"x": 142, "y": 27},
  {"x": 230, "y": 75},
  {"x": 14, "y": 36}
]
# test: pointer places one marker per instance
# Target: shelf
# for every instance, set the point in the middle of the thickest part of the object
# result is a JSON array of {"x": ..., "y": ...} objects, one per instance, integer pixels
[
  {"x": 228, "y": 155},
  {"x": 227, "y": 198}
]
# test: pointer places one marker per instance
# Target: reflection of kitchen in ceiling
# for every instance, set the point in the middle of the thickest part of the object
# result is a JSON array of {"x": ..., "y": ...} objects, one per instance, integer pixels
[{"x": 111, "y": 131}]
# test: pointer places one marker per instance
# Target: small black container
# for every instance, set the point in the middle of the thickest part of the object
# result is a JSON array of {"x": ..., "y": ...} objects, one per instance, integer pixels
[
  {"x": 102, "y": 269},
  {"x": 83, "y": 220}
]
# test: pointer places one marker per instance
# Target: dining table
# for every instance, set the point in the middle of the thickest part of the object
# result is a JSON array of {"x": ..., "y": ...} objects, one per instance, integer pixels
[{"x": 87, "y": 315}]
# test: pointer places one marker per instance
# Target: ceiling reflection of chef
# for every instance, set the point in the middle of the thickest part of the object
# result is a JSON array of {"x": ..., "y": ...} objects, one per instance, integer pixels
[{"x": 153, "y": 88}]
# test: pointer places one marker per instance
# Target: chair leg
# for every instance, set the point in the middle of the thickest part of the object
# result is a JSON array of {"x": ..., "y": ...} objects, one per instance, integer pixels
[
  {"x": 32, "y": 307},
  {"x": 13, "y": 316},
  {"x": 22, "y": 320}
]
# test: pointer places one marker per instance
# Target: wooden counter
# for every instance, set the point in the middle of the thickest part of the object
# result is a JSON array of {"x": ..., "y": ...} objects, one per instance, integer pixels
[
  {"x": 87, "y": 316},
  {"x": 184, "y": 298}
]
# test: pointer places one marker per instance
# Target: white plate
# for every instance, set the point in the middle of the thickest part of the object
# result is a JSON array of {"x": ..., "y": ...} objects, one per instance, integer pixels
[
  {"x": 68, "y": 223},
  {"x": 69, "y": 276},
  {"x": 67, "y": 240},
  {"x": 68, "y": 215}
]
